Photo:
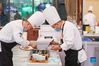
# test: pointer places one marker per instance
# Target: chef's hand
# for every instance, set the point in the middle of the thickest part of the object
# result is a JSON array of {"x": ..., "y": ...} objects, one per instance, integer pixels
[
  {"x": 56, "y": 47},
  {"x": 54, "y": 43},
  {"x": 34, "y": 46}
]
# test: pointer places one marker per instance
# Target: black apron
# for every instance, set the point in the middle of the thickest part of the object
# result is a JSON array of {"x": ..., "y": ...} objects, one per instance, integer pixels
[
  {"x": 6, "y": 54},
  {"x": 71, "y": 58}
]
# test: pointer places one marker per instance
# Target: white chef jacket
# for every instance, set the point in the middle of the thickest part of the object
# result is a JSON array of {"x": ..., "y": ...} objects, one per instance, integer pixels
[
  {"x": 12, "y": 32},
  {"x": 71, "y": 37},
  {"x": 90, "y": 19}
]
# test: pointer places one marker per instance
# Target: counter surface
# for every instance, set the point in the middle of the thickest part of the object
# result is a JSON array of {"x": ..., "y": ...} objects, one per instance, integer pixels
[
  {"x": 21, "y": 58},
  {"x": 91, "y": 35}
]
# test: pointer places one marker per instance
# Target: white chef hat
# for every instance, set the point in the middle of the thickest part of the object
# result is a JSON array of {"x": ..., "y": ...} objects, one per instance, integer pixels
[
  {"x": 90, "y": 8},
  {"x": 36, "y": 19},
  {"x": 51, "y": 15}
]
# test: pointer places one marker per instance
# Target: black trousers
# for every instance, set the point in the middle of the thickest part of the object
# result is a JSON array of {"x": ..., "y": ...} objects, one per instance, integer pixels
[
  {"x": 6, "y": 54},
  {"x": 71, "y": 58}
]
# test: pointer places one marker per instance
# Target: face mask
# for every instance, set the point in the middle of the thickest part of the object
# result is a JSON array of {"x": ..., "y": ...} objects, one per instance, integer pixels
[{"x": 57, "y": 30}]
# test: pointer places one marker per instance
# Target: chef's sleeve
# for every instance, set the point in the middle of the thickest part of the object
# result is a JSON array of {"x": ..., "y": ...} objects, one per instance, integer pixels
[
  {"x": 68, "y": 38},
  {"x": 18, "y": 37}
]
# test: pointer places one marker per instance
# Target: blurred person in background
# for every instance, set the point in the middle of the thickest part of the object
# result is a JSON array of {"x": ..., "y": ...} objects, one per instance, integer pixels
[
  {"x": 17, "y": 16},
  {"x": 3, "y": 17},
  {"x": 90, "y": 19}
]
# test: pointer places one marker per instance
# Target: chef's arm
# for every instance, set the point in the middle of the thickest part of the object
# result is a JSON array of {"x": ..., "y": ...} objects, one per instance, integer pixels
[
  {"x": 17, "y": 35},
  {"x": 19, "y": 39},
  {"x": 68, "y": 38},
  {"x": 24, "y": 43}
]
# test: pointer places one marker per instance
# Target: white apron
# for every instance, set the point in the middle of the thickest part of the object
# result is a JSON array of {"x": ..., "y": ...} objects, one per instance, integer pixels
[{"x": 82, "y": 56}]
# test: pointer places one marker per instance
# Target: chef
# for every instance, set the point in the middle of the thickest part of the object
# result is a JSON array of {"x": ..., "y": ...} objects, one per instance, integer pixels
[
  {"x": 90, "y": 19},
  {"x": 72, "y": 42},
  {"x": 11, "y": 34}
]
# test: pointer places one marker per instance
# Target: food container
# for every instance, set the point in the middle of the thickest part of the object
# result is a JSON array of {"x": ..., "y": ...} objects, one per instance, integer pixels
[{"x": 39, "y": 56}]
